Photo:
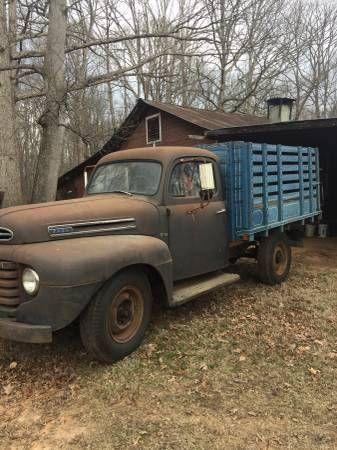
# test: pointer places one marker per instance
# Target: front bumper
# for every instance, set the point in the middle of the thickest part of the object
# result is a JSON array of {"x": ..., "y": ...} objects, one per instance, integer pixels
[{"x": 24, "y": 332}]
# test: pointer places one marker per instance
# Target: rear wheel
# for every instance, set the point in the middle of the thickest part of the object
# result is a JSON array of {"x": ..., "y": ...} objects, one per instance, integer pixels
[
  {"x": 274, "y": 259},
  {"x": 115, "y": 321}
]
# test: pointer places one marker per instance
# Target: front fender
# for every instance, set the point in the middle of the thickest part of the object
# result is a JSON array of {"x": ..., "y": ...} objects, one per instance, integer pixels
[{"x": 72, "y": 270}]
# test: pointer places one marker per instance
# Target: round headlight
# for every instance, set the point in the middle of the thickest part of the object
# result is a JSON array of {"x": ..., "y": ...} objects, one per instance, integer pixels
[{"x": 30, "y": 281}]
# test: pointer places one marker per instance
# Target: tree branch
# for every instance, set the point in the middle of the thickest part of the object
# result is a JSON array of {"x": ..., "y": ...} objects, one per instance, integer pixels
[
  {"x": 112, "y": 40},
  {"x": 93, "y": 80},
  {"x": 32, "y": 67}
]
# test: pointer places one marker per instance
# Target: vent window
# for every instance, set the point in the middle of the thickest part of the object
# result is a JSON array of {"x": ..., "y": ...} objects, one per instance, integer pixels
[{"x": 153, "y": 129}]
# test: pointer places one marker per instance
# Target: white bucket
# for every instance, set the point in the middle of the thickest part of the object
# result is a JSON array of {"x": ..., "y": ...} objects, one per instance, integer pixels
[
  {"x": 322, "y": 230},
  {"x": 310, "y": 230}
]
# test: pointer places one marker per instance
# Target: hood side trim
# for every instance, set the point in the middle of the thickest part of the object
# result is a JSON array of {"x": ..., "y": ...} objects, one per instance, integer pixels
[
  {"x": 74, "y": 229},
  {"x": 94, "y": 231},
  {"x": 94, "y": 222}
]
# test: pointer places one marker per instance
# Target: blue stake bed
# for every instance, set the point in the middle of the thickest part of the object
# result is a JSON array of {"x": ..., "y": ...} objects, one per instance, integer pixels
[{"x": 267, "y": 186}]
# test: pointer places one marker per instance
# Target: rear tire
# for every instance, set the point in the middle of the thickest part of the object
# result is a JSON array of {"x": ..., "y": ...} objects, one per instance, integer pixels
[
  {"x": 274, "y": 259},
  {"x": 115, "y": 321}
]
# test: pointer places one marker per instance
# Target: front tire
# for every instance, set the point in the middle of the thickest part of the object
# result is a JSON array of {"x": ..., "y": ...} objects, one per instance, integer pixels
[
  {"x": 274, "y": 259},
  {"x": 114, "y": 323}
]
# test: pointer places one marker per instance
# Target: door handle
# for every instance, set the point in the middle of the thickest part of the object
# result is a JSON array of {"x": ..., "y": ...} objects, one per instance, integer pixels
[{"x": 221, "y": 211}]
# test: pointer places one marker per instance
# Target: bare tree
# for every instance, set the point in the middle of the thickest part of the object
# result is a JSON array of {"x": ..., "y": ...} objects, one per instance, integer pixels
[
  {"x": 70, "y": 71},
  {"x": 55, "y": 89},
  {"x": 48, "y": 80},
  {"x": 10, "y": 181},
  {"x": 312, "y": 57}
]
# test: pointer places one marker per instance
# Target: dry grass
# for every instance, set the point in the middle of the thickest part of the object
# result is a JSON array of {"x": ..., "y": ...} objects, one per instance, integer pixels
[{"x": 247, "y": 367}]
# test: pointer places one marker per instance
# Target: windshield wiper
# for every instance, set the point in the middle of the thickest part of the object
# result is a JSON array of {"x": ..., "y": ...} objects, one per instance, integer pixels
[{"x": 121, "y": 192}]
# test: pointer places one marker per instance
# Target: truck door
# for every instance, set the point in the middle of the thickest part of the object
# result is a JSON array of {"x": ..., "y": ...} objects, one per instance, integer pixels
[{"x": 197, "y": 228}]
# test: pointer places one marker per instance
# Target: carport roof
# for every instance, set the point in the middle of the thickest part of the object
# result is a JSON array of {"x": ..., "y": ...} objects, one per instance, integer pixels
[{"x": 266, "y": 128}]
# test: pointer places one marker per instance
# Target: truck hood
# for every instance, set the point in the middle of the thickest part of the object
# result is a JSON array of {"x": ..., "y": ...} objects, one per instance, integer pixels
[{"x": 89, "y": 216}]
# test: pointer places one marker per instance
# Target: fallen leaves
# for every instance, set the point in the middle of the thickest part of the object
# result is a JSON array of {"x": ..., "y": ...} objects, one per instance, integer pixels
[
  {"x": 303, "y": 349},
  {"x": 150, "y": 349},
  {"x": 13, "y": 365},
  {"x": 320, "y": 342},
  {"x": 259, "y": 364},
  {"x": 8, "y": 389}
]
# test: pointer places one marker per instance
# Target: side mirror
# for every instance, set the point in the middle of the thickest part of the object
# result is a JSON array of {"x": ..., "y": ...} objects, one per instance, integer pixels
[
  {"x": 207, "y": 181},
  {"x": 86, "y": 174}
]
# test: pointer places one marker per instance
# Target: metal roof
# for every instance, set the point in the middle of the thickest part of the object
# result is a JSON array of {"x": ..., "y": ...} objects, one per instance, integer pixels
[
  {"x": 273, "y": 127},
  {"x": 208, "y": 119}
]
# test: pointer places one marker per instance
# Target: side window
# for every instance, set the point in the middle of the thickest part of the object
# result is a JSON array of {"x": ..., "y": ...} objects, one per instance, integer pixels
[
  {"x": 153, "y": 129},
  {"x": 185, "y": 180}
]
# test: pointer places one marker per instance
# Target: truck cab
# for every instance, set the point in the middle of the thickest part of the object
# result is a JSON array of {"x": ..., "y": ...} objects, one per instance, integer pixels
[{"x": 150, "y": 228}]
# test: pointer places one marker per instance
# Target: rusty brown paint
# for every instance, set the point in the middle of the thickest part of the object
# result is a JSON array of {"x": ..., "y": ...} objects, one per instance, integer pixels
[
  {"x": 30, "y": 223},
  {"x": 164, "y": 154},
  {"x": 154, "y": 233}
]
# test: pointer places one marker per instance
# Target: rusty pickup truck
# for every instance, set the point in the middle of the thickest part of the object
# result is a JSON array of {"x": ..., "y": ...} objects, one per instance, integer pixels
[{"x": 155, "y": 225}]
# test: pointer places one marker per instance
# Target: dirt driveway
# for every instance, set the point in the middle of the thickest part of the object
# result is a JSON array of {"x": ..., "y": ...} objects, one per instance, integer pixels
[{"x": 247, "y": 367}]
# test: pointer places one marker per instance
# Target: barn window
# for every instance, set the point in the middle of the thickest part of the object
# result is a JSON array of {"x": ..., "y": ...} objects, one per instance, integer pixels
[{"x": 153, "y": 129}]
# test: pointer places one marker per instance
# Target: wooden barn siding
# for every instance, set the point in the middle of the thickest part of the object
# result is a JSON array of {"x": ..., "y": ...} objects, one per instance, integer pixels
[{"x": 174, "y": 132}]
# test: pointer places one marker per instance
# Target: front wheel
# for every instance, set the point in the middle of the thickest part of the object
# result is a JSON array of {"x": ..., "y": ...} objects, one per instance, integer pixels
[
  {"x": 114, "y": 323},
  {"x": 274, "y": 259}
]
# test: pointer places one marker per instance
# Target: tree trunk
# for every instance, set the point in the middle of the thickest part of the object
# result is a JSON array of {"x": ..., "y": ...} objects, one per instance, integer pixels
[
  {"x": 50, "y": 157},
  {"x": 10, "y": 180}
]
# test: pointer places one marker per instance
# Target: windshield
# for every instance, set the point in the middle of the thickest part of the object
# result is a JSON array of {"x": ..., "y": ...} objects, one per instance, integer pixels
[{"x": 134, "y": 177}]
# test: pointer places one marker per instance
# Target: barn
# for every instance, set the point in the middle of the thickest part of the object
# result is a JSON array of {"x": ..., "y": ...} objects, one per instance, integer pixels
[{"x": 155, "y": 123}]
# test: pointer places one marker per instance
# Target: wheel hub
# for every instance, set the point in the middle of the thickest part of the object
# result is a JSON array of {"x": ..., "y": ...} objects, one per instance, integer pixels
[
  {"x": 126, "y": 314},
  {"x": 280, "y": 259}
]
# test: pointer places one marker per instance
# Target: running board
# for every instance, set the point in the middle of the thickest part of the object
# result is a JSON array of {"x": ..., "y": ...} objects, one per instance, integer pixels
[{"x": 186, "y": 290}]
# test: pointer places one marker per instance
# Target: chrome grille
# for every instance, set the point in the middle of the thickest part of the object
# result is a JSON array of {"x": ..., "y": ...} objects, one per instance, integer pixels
[
  {"x": 9, "y": 283},
  {"x": 6, "y": 234}
]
